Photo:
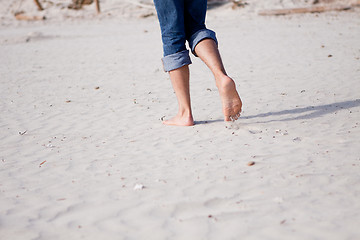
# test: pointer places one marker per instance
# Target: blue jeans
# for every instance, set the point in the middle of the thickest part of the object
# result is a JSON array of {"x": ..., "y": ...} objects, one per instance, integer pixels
[{"x": 181, "y": 21}]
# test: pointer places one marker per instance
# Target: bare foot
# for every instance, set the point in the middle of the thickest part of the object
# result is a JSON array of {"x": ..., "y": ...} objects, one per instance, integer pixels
[
  {"x": 231, "y": 101},
  {"x": 180, "y": 120}
]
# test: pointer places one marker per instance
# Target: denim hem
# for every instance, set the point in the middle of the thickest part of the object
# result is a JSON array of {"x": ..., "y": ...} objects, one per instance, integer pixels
[
  {"x": 176, "y": 60},
  {"x": 199, "y": 36}
]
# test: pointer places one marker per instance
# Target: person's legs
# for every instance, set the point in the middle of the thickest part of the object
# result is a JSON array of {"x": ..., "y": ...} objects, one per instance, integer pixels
[
  {"x": 182, "y": 20},
  {"x": 208, "y": 52}
]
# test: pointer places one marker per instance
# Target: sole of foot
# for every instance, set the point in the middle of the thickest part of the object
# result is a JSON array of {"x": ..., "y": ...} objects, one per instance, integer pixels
[{"x": 231, "y": 102}]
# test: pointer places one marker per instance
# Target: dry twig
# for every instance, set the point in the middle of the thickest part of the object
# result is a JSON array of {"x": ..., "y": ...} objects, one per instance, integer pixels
[{"x": 40, "y": 8}]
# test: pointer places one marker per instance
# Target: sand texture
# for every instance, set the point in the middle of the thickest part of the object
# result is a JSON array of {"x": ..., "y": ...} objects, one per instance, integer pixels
[{"x": 84, "y": 154}]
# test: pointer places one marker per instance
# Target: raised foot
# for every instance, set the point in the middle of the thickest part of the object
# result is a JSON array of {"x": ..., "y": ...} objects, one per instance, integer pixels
[
  {"x": 179, "y": 121},
  {"x": 231, "y": 101}
]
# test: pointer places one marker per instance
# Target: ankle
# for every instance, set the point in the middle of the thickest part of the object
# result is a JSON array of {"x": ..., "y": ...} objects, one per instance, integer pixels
[
  {"x": 224, "y": 81},
  {"x": 184, "y": 113}
]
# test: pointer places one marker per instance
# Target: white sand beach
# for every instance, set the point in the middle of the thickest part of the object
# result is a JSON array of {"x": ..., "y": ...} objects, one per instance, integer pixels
[{"x": 84, "y": 154}]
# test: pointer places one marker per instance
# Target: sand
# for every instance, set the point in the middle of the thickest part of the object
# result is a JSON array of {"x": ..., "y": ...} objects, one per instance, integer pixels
[{"x": 84, "y": 155}]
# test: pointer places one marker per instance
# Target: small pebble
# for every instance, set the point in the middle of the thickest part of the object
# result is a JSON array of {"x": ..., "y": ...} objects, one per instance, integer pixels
[
  {"x": 139, "y": 187},
  {"x": 251, "y": 163}
]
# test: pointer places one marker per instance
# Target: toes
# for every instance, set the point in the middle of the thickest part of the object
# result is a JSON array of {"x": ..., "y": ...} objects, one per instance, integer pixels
[{"x": 234, "y": 117}]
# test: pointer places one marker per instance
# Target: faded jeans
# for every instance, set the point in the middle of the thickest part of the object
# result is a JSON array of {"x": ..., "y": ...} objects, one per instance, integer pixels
[{"x": 181, "y": 21}]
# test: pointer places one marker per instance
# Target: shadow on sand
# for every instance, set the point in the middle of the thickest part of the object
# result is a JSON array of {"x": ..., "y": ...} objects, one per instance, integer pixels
[{"x": 312, "y": 111}]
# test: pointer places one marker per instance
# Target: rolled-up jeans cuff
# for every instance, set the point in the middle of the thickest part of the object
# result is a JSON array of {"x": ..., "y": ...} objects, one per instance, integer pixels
[
  {"x": 199, "y": 36},
  {"x": 176, "y": 60}
]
